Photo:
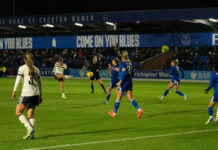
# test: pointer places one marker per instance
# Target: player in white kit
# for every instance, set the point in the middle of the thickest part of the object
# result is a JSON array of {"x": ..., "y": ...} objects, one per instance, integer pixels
[
  {"x": 59, "y": 74},
  {"x": 31, "y": 95}
]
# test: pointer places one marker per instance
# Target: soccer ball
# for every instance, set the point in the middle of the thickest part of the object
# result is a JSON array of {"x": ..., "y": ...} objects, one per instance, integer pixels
[{"x": 89, "y": 74}]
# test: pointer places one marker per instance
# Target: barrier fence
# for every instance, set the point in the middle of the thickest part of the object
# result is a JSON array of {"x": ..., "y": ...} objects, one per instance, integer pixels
[
  {"x": 81, "y": 73},
  {"x": 104, "y": 73}
]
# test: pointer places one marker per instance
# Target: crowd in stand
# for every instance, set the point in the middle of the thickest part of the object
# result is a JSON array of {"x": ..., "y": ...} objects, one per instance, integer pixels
[
  {"x": 196, "y": 58},
  {"x": 74, "y": 58}
]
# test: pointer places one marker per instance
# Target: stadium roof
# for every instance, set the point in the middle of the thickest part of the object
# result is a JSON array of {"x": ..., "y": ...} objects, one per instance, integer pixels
[{"x": 144, "y": 21}]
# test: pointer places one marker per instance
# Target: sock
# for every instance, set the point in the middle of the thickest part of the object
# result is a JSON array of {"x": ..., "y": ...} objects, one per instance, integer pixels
[
  {"x": 32, "y": 122},
  {"x": 166, "y": 92},
  {"x": 116, "y": 106},
  {"x": 210, "y": 111},
  {"x": 217, "y": 114},
  {"x": 180, "y": 93},
  {"x": 103, "y": 88},
  {"x": 135, "y": 104},
  {"x": 92, "y": 87},
  {"x": 108, "y": 97},
  {"x": 24, "y": 121},
  {"x": 63, "y": 93}
]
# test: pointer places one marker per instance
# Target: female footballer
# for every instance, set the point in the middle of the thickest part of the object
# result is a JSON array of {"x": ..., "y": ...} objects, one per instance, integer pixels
[
  {"x": 95, "y": 68},
  {"x": 114, "y": 70},
  {"x": 31, "y": 95},
  {"x": 174, "y": 71},
  {"x": 59, "y": 74},
  {"x": 214, "y": 100},
  {"x": 125, "y": 85}
]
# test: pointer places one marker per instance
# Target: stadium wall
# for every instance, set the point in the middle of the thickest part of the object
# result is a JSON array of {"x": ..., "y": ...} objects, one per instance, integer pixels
[
  {"x": 157, "y": 62},
  {"x": 145, "y": 75}
]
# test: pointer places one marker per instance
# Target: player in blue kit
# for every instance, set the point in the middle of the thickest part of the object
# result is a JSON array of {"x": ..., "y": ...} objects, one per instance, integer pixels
[
  {"x": 214, "y": 100},
  {"x": 114, "y": 76},
  {"x": 174, "y": 71},
  {"x": 125, "y": 85}
]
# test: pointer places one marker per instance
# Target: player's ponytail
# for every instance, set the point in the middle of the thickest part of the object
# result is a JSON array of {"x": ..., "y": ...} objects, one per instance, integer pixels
[
  {"x": 125, "y": 56},
  {"x": 29, "y": 61},
  {"x": 116, "y": 59},
  {"x": 95, "y": 59}
]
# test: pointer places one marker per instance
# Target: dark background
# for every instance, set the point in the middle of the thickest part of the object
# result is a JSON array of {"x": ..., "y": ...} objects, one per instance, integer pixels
[{"x": 43, "y": 7}]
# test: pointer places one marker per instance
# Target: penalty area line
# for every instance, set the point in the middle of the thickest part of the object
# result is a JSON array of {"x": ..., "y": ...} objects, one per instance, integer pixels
[{"x": 123, "y": 139}]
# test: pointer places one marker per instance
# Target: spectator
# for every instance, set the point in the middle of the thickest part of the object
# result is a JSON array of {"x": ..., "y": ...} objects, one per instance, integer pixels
[{"x": 2, "y": 71}]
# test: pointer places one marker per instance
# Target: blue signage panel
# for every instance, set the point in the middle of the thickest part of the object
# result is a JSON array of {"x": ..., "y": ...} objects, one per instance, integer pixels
[
  {"x": 104, "y": 73},
  {"x": 197, "y": 75},
  {"x": 123, "y": 40}
]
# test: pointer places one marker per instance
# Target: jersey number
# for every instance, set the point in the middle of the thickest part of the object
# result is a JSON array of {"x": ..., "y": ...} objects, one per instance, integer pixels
[
  {"x": 33, "y": 79},
  {"x": 129, "y": 70}
]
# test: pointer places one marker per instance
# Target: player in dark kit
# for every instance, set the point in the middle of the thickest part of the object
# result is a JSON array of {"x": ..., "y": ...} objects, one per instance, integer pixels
[{"x": 95, "y": 68}]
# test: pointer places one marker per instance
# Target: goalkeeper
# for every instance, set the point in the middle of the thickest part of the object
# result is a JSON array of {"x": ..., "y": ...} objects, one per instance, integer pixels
[{"x": 95, "y": 68}]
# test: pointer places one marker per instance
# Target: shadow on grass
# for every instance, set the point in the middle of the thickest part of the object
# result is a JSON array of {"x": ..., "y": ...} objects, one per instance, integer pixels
[
  {"x": 84, "y": 133},
  {"x": 176, "y": 113}
]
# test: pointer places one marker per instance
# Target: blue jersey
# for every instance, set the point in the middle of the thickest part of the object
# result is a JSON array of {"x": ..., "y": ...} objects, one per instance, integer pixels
[
  {"x": 174, "y": 71},
  {"x": 126, "y": 74},
  {"x": 115, "y": 75},
  {"x": 214, "y": 83},
  {"x": 126, "y": 71}
]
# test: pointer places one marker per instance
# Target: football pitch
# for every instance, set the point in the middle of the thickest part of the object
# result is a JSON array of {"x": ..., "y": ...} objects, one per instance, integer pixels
[{"x": 81, "y": 121}]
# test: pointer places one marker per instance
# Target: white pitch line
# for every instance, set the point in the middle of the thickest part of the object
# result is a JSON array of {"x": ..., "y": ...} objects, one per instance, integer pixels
[{"x": 123, "y": 139}]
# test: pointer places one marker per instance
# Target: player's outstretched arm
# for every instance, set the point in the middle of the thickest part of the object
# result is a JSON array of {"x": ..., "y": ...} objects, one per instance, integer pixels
[
  {"x": 17, "y": 82},
  {"x": 54, "y": 69},
  {"x": 212, "y": 79},
  {"x": 40, "y": 90}
]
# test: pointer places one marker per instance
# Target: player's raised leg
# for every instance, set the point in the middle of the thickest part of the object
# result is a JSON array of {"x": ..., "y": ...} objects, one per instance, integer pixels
[
  {"x": 210, "y": 111},
  {"x": 102, "y": 85},
  {"x": 176, "y": 87},
  {"x": 134, "y": 103},
  {"x": 170, "y": 85}
]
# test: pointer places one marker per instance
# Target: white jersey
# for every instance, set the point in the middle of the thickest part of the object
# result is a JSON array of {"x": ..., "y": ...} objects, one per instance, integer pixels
[
  {"x": 31, "y": 83},
  {"x": 59, "y": 69}
]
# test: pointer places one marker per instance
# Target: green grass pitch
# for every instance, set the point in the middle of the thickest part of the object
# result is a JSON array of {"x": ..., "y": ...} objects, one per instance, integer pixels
[{"x": 83, "y": 118}]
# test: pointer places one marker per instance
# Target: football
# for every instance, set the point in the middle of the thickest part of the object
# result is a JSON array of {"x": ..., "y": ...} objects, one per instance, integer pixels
[{"x": 89, "y": 74}]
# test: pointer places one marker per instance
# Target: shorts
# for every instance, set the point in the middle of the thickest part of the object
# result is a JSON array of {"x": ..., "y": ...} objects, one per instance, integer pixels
[
  {"x": 175, "y": 82},
  {"x": 61, "y": 79},
  {"x": 113, "y": 84},
  {"x": 215, "y": 99},
  {"x": 95, "y": 76},
  {"x": 126, "y": 86},
  {"x": 29, "y": 101}
]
